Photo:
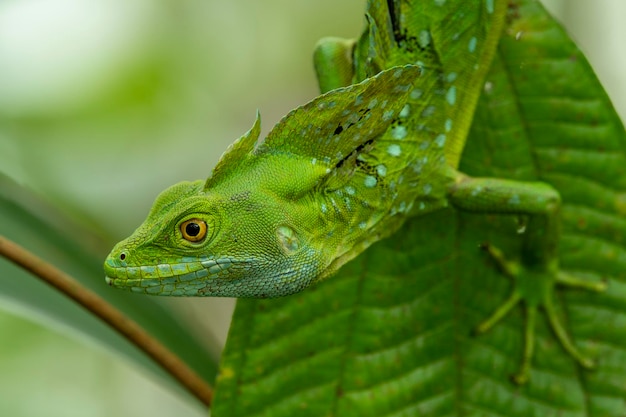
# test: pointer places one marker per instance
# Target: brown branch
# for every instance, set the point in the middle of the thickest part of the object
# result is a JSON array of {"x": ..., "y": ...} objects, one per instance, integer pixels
[{"x": 171, "y": 363}]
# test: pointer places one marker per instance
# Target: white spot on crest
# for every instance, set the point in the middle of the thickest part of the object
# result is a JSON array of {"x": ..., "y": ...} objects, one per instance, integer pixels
[
  {"x": 423, "y": 38},
  {"x": 429, "y": 111},
  {"x": 416, "y": 94},
  {"x": 448, "y": 125},
  {"x": 488, "y": 88},
  {"x": 427, "y": 188},
  {"x": 471, "y": 46},
  {"x": 313, "y": 161},
  {"x": 518, "y": 35},
  {"x": 489, "y": 4},
  {"x": 406, "y": 110},
  {"x": 401, "y": 88},
  {"x": 451, "y": 95},
  {"x": 370, "y": 181},
  {"x": 394, "y": 150},
  {"x": 350, "y": 190},
  {"x": 381, "y": 170},
  {"x": 387, "y": 115},
  {"x": 451, "y": 77},
  {"x": 362, "y": 225},
  {"x": 372, "y": 103},
  {"x": 397, "y": 73},
  {"x": 398, "y": 132},
  {"x": 441, "y": 140},
  {"x": 352, "y": 118},
  {"x": 324, "y": 208}
]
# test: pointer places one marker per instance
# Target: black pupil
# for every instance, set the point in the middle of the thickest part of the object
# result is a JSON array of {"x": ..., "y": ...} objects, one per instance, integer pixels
[{"x": 192, "y": 229}]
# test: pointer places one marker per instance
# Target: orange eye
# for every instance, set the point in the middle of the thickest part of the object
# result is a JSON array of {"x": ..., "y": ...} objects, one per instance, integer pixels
[{"x": 193, "y": 230}]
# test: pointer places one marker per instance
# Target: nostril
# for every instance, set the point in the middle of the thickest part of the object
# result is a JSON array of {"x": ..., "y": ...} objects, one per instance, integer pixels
[{"x": 122, "y": 256}]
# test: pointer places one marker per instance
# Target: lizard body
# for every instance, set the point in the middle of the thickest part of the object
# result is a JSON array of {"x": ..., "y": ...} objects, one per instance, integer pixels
[{"x": 346, "y": 170}]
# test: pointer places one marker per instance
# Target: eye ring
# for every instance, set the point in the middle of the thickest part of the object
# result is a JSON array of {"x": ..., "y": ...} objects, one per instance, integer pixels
[{"x": 193, "y": 230}]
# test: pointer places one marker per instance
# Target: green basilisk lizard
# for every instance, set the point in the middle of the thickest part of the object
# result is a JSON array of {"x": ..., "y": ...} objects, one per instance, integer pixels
[{"x": 345, "y": 170}]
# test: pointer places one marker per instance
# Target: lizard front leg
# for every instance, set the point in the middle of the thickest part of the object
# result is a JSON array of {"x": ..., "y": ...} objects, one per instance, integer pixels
[
  {"x": 536, "y": 271},
  {"x": 333, "y": 63}
]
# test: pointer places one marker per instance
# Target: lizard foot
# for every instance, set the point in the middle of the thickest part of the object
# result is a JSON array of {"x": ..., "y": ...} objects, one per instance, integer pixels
[{"x": 535, "y": 289}]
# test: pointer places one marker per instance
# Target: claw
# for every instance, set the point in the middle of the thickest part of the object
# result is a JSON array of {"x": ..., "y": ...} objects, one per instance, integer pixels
[
  {"x": 563, "y": 337},
  {"x": 509, "y": 269},
  {"x": 571, "y": 281},
  {"x": 523, "y": 374},
  {"x": 527, "y": 292},
  {"x": 499, "y": 313}
]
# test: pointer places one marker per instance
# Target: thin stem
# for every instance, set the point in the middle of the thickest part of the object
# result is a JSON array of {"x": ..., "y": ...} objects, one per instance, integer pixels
[{"x": 135, "y": 334}]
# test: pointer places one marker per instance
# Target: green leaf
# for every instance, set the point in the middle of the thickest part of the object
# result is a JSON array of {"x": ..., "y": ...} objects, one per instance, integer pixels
[
  {"x": 391, "y": 334},
  {"x": 76, "y": 250}
]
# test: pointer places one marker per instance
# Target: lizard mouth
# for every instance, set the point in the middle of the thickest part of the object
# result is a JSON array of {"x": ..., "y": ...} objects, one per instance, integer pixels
[{"x": 187, "y": 276}]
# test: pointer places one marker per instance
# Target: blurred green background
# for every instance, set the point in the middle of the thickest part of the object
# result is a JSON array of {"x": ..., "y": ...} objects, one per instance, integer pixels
[{"x": 104, "y": 103}]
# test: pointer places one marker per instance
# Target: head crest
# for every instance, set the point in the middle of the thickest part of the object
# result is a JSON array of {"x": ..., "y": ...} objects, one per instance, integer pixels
[
  {"x": 332, "y": 126},
  {"x": 236, "y": 153}
]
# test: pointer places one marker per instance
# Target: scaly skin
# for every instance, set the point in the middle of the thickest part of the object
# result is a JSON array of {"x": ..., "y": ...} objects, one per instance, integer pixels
[
  {"x": 348, "y": 169},
  {"x": 283, "y": 215}
]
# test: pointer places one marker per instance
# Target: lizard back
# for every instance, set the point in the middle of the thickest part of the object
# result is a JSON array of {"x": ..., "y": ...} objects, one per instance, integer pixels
[{"x": 335, "y": 175}]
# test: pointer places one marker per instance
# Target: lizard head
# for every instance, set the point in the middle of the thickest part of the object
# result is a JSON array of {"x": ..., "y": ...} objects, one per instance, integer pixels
[
  {"x": 198, "y": 242},
  {"x": 274, "y": 216}
]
